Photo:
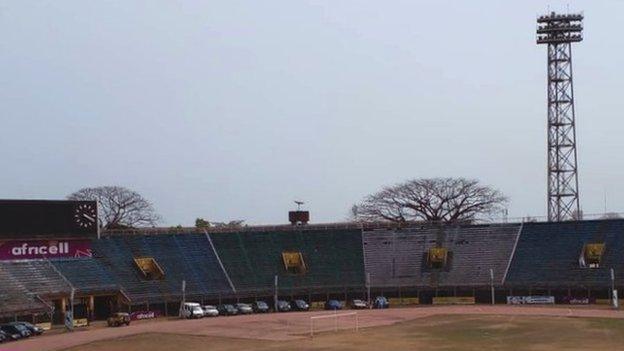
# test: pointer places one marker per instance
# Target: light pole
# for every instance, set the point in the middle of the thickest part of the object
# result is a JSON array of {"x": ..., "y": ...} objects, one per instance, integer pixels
[
  {"x": 492, "y": 284},
  {"x": 614, "y": 297},
  {"x": 69, "y": 314},
  {"x": 275, "y": 294},
  {"x": 368, "y": 287},
  {"x": 558, "y": 32},
  {"x": 183, "y": 298}
]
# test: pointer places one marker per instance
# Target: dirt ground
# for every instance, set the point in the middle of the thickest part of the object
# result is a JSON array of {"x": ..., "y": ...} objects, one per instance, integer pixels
[
  {"x": 423, "y": 328},
  {"x": 442, "y": 332}
]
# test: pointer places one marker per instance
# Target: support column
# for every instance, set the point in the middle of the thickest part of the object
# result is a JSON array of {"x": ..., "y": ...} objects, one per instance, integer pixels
[
  {"x": 63, "y": 309},
  {"x": 91, "y": 313}
]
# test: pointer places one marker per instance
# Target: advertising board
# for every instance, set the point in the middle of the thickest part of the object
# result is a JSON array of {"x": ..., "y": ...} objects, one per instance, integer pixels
[
  {"x": 457, "y": 300},
  {"x": 404, "y": 301},
  {"x": 139, "y": 315},
  {"x": 574, "y": 300},
  {"x": 40, "y": 249},
  {"x": 530, "y": 300}
]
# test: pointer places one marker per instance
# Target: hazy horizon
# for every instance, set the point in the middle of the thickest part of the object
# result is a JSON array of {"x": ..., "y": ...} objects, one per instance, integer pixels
[{"x": 232, "y": 110}]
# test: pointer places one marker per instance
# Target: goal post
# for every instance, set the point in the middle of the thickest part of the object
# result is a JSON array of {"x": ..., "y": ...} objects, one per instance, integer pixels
[{"x": 334, "y": 322}]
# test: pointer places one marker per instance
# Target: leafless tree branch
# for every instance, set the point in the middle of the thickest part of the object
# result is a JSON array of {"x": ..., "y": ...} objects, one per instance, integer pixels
[
  {"x": 435, "y": 199},
  {"x": 119, "y": 207}
]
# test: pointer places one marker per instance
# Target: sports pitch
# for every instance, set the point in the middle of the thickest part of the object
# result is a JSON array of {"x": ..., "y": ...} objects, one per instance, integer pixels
[
  {"x": 442, "y": 332},
  {"x": 418, "y": 328}
]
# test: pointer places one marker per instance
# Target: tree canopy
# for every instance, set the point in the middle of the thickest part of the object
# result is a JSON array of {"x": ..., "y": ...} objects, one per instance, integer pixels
[
  {"x": 119, "y": 207},
  {"x": 433, "y": 199}
]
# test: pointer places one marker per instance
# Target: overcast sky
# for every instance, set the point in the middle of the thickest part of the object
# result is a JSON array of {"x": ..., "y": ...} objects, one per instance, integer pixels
[{"x": 233, "y": 109}]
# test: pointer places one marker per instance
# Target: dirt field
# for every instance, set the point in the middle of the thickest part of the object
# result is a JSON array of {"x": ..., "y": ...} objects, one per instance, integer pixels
[
  {"x": 422, "y": 328},
  {"x": 442, "y": 332}
]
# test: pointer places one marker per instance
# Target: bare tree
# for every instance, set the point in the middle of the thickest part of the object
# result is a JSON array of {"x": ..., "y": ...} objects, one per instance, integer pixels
[
  {"x": 437, "y": 199},
  {"x": 611, "y": 215},
  {"x": 202, "y": 223},
  {"x": 234, "y": 224},
  {"x": 119, "y": 207}
]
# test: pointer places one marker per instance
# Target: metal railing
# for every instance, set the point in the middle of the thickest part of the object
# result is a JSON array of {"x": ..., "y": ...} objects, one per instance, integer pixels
[{"x": 355, "y": 225}]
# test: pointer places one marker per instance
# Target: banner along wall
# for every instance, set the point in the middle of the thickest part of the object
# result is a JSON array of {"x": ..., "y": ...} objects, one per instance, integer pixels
[{"x": 40, "y": 249}]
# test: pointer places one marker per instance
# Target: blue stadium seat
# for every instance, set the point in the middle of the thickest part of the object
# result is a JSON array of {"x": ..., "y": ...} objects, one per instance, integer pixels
[
  {"x": 188, "y": 257},
  {"x": 87, "y": 275},
  {"x": 547, "y": 254}
]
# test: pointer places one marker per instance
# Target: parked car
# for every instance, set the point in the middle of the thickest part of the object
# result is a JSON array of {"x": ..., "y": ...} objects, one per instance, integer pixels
[
  {"x": 4, "y": 337},
  {"x": 381, "y": 302},
  {"x": 227, "y": 310},
  {"x": 34, "y": 330},
  {"x": 210, "y": 311},
  {"x": 11, "y": 334},
  {"x": 358, "y": 304},
  {"x": 191, "y": 310},
  {"x": 117, "y": 319},
  {"x": 299, "y": 305},
  {"x": 260, "y": 307},
  {"x": 283, "y": 306},
  {"x": 333, "y": 305},
  {"x": 243, "y": 308},
  {"x": 16, "y": 331}
]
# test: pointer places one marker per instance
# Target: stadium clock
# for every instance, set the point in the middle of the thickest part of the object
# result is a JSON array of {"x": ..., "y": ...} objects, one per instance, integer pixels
[{"x": 85, "y": 215}]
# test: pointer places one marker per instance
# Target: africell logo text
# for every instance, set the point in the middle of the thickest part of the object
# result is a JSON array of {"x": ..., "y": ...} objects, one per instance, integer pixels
[{"x": 34, "y": 249}]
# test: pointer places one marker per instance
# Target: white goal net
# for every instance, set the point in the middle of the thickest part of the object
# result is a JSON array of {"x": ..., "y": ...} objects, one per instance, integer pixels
[{"x": 334, "y": 322}]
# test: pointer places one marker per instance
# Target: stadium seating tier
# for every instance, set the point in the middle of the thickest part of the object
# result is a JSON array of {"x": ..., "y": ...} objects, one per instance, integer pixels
[
  {"x": 333, "y": 259},
  {"x": 183, "y": 257},
  {"x": 547, "y": 254},
  {"x": 398, "y": 258}
]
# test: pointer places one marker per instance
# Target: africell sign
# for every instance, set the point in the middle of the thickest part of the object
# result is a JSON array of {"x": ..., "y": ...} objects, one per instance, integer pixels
[
  {"x": 34, "y": 249},
  {"x": 138, "y": 315}
]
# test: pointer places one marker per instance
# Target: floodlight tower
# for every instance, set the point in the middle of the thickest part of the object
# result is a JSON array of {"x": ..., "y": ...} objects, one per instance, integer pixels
[{"x": 559, "y": 31}]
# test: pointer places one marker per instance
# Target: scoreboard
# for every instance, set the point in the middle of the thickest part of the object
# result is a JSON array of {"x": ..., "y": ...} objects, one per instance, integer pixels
[{"x": 20, "y": 219}]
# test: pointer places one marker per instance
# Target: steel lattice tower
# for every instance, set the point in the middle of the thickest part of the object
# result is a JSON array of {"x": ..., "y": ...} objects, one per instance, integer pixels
[{"x": 559, "y": 32}]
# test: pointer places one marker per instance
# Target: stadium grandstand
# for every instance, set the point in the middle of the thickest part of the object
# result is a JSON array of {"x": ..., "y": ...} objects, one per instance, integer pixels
[
  {"x": 172, "y": 259},
  {"x": 138, "y": 270},
  {"x": 326, "y": 260},
  {"x": 557, "y": 258},
  {"x": 438, "y": 259}
]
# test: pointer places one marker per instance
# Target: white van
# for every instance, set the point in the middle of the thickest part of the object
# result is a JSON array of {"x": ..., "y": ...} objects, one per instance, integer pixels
[{"x": 191, "y": 310}]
